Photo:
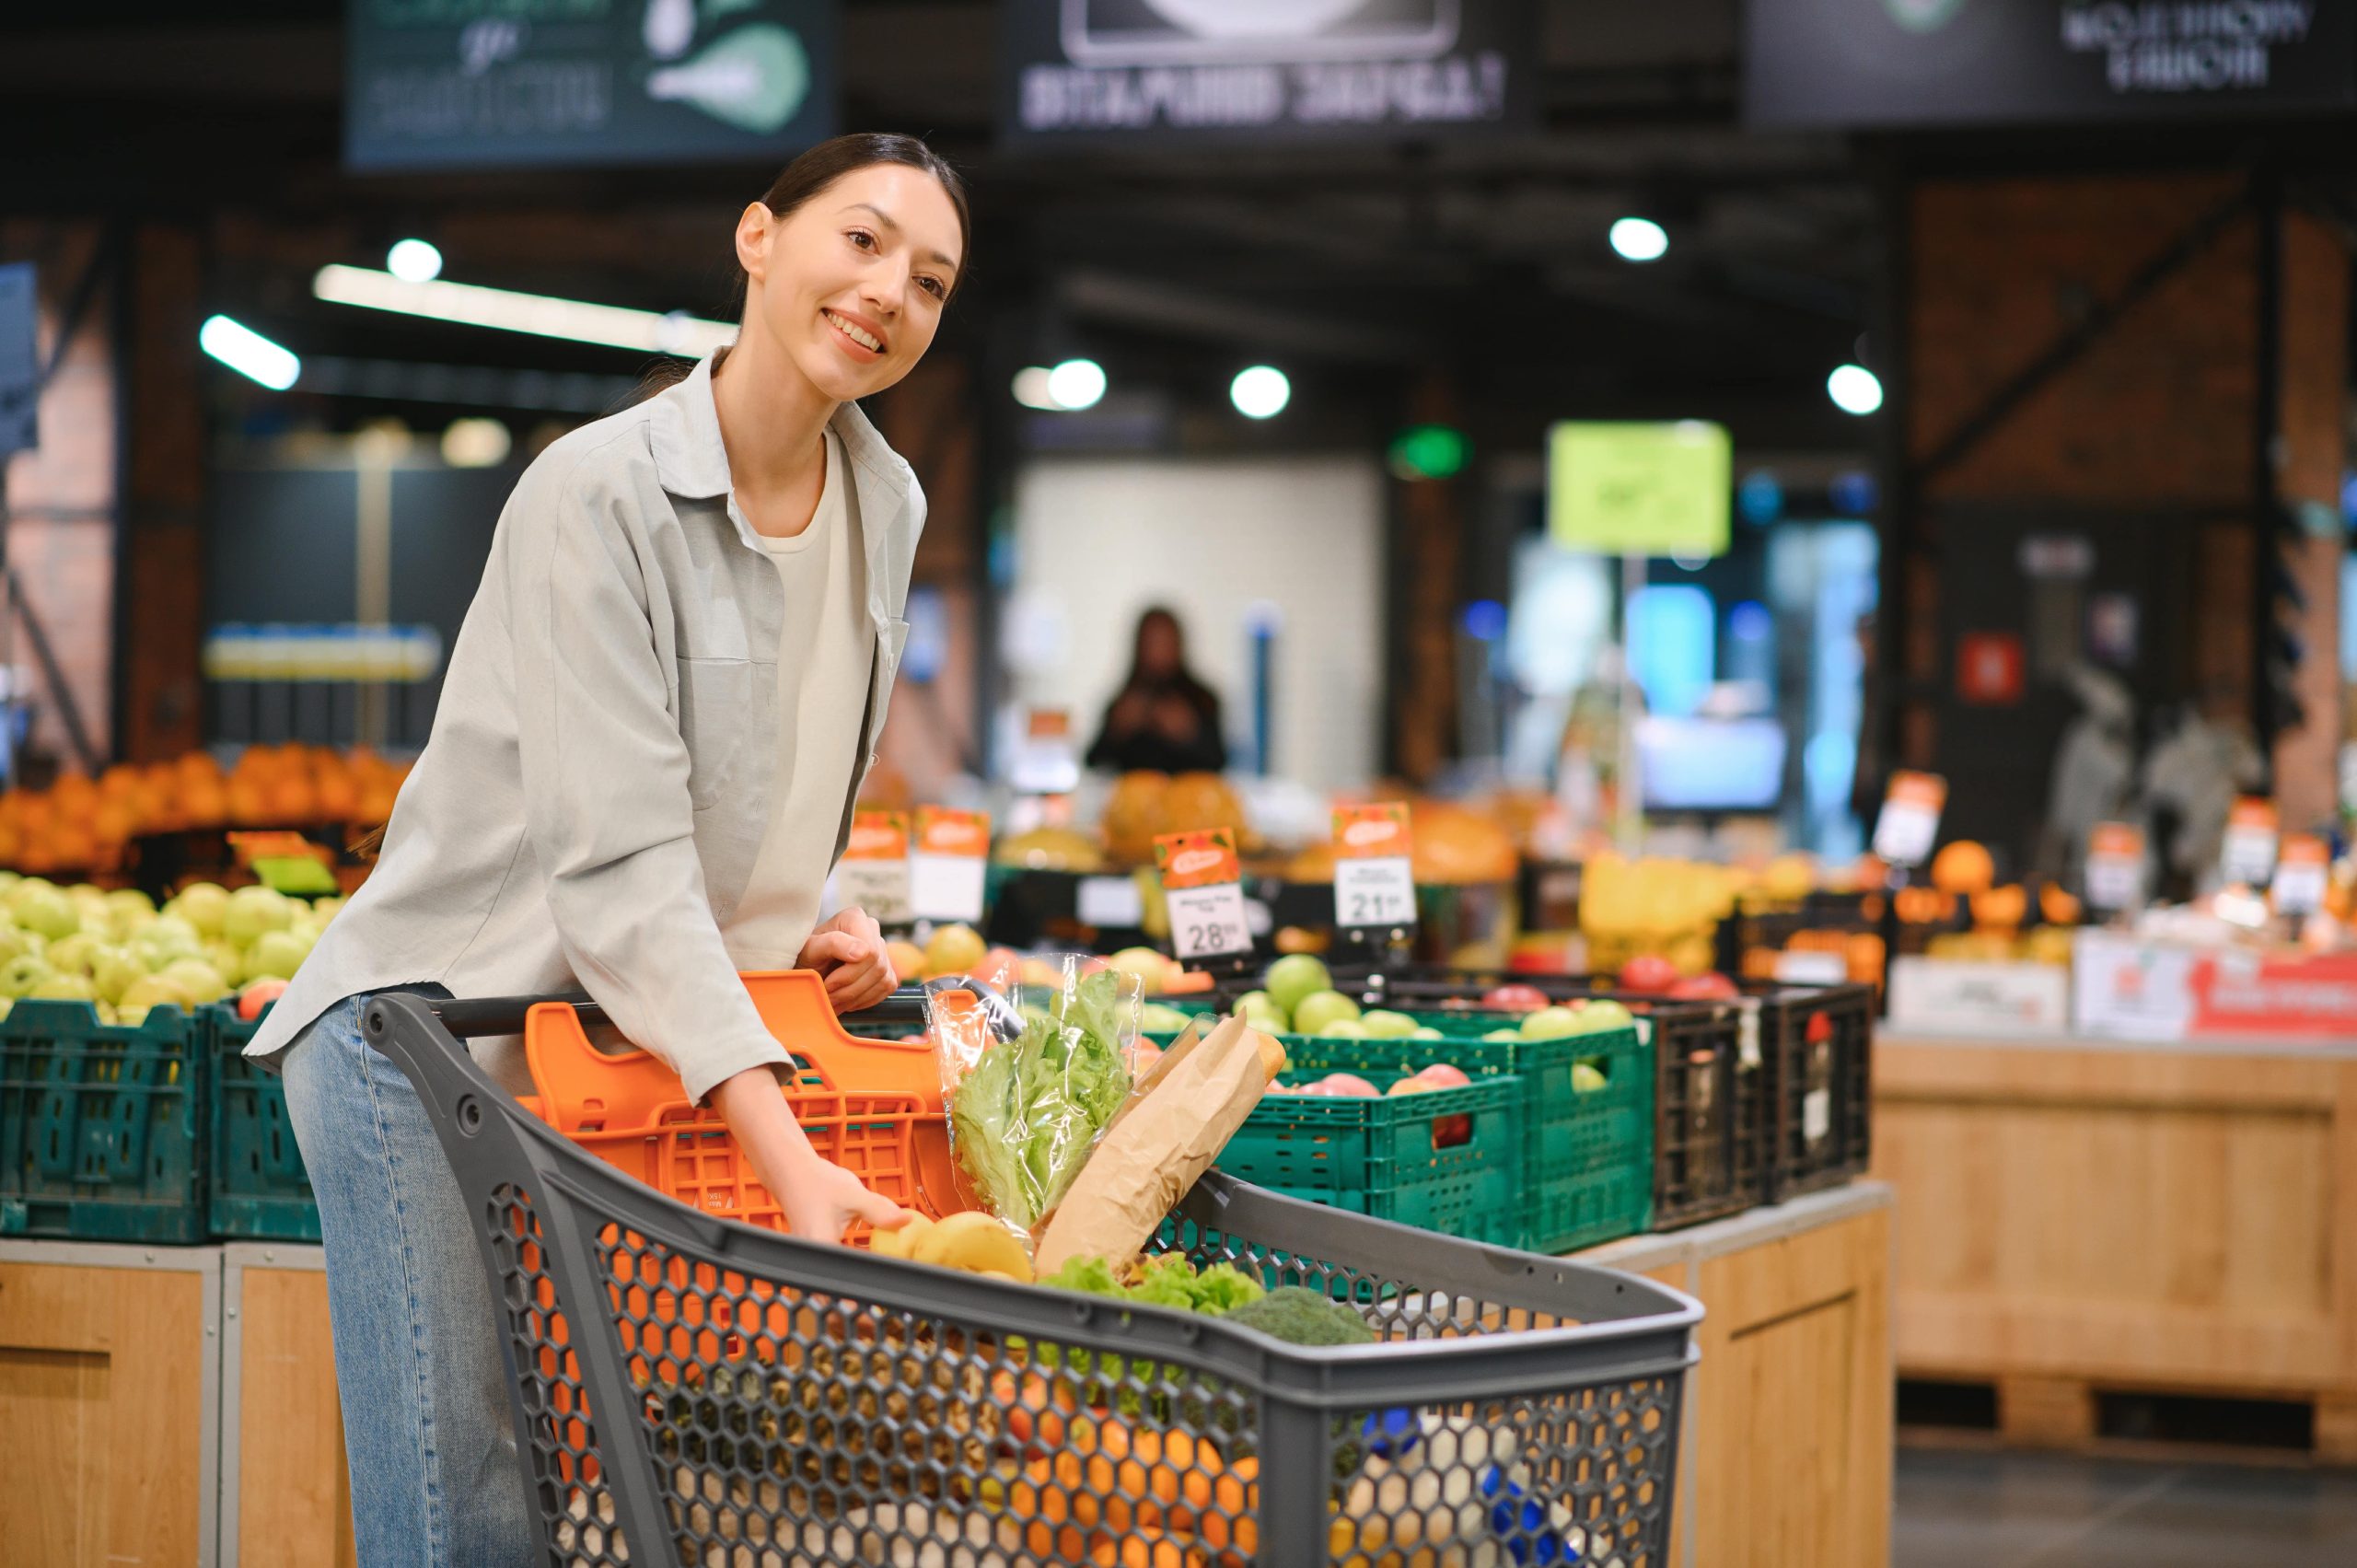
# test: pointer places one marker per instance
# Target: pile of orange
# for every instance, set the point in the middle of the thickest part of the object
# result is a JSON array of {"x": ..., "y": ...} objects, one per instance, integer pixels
[
  {"x": 82, "y": 824},
  {"x": 1143, "y": 805}
]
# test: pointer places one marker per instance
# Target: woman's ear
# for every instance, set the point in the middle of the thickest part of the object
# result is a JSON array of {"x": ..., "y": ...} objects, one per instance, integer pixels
[{"x": 755, "y": 225}]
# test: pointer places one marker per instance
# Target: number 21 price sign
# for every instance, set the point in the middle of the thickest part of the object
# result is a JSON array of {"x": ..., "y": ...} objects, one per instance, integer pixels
[
  {"x": 1203, "y": 881},
  {"x": 1375, "y": 884}
]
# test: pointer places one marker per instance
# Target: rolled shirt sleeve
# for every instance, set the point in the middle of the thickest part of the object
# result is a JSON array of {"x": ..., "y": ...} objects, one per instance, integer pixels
[{"x": 605, "y": 786}]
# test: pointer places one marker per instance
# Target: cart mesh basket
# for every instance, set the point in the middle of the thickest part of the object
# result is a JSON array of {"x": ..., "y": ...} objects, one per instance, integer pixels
[{"x": 751, "y": 1400}]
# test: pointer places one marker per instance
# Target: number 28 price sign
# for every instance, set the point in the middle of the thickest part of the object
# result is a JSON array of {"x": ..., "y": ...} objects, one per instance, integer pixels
[
  {"x": 1375, "y": 884},
  {"x": 1203, "y": 882}
]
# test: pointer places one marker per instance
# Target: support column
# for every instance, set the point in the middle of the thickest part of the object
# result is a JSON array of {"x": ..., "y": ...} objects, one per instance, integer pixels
[{"x": 160, "y": 582}]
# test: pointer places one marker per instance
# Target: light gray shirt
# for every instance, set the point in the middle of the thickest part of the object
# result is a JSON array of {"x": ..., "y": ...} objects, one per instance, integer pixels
[{"x": 590, "y": 806}]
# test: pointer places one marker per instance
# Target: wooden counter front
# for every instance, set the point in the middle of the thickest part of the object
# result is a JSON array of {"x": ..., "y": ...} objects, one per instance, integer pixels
[
  {"x": 1787, "y": 1447},
  {"x": 2081, "y": 1215}
]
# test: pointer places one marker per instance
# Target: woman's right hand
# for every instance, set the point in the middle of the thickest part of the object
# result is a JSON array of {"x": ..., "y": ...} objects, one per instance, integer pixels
[{"x": 820, "y": 1197}]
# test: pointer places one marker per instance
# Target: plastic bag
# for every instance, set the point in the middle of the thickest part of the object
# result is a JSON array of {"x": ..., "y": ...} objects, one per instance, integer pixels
[{"x": 1025, "y": 1113}]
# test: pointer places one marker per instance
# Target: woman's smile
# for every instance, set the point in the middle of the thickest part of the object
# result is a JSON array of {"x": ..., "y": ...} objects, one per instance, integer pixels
[{"x": 864, "y": 337}]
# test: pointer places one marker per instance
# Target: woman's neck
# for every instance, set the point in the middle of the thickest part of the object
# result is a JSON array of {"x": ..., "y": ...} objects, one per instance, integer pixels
[{"x": 772, "y": 422}]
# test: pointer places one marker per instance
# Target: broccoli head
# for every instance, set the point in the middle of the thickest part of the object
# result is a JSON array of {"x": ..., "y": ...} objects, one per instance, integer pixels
[{"x": 1301, "y": 1316}]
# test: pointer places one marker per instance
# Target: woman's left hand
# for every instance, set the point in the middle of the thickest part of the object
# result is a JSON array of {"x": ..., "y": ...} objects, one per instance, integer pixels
[{"x": 849, "y": 951}]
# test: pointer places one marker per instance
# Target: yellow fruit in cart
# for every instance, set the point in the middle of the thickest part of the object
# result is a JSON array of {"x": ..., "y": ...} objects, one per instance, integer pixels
[
  {"x": 896, "y": 1243},
  {"x": 954, "y": 949},
  {"x": 973, "y": 1241},
  {"x": 1964, "y": 866},
  {"x": 2001, "y": 908}
]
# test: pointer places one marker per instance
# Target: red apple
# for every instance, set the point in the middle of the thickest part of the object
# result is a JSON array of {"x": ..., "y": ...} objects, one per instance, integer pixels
[
  {"x": 1445, "y": 1075},
  {"x": 1648, "y": 973},
  {"x": 1349, "y": 1083},
  {"x": 1515, "y": 998},
  {"x": 257, "y": 995},
  {"x": 1703, "y": 988},
  {"x": 1452, "y": 1132}
]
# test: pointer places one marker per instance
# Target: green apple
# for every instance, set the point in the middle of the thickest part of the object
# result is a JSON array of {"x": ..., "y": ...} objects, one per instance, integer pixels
[
  {"x": 1319, "y": 1008},
  {"x": 1293, "y": 977},
  {"x": 166, "y": 939},
  {"x": 226, "y": 957},
  {"x": 131, "y": 899},
  {"x": 63, "y": 988},
  {"x": 45, "y": 911},
  {"x": 1154, "y": 1018},
  {"x": 253, "y": 911},
  {"x": 1344, "y": 1028},
  {"x": 196, "y": 979},
  {"x": 1605, "y": 1014},
  {"x": 203, "y": 905},
  {"x": 148, "y": 991},
  {"x": 1504, "y": 1035},
  {"x": 1424, "y": 1031},
  {"x": 1382, "y": 1024},
  {"x": 1551, "y": 1023},
  {"x": 1586, "y": 1079},
  {"x": 112, "y": 970},
  {"x": 72, "y": 955},
  {"x": 21, "y": 973}
]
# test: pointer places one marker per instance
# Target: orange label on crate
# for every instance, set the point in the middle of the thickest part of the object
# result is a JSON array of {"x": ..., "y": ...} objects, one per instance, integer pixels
[
  {"x": 1371, "y": 831},
  {"x": 1909, "y": 823},
  {"x": 1048, "y": 724},
  {"x": 942, "y": 832},
  {"x": 2117, "y": 838},
  {"x": 2303, "y": 873},
  {"x": 2253, "y": 811},
  {"x": 1198, "y": 859},
  {"x": 878, "y": 835}
]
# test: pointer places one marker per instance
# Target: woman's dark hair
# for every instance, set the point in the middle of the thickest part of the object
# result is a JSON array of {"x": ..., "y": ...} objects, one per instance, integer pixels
[
  {"x": 1182, "y": 680},
  {"x": 821, "y": 167}
]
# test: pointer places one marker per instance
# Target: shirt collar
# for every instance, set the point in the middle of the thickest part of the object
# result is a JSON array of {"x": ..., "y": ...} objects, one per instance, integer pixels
[{"x": 691, "y": 461}]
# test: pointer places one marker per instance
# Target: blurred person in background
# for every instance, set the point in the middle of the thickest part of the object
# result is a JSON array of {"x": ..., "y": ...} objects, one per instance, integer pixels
[
  {"x": 657, "y": 718},
  {"x": 1162, "y": 719}
]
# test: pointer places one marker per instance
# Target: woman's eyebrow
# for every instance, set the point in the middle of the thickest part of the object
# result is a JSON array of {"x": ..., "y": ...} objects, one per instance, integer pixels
[{"x": 888, "y": 221}]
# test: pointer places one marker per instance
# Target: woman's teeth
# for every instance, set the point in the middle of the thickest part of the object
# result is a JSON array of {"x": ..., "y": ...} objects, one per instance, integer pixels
[{"x": 865, "y": 339}]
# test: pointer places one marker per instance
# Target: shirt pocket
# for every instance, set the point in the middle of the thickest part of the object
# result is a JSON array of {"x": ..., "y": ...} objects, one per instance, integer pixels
[{"x": 718, "y": 711}]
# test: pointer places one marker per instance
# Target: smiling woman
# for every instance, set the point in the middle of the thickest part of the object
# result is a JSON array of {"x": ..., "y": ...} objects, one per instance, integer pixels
[{"x": 654, "y": 721}]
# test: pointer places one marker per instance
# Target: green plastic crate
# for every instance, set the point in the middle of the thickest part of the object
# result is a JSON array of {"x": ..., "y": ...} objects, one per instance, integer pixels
[
  {"x": 1588, "y": 1157},
  {"x": 101, "y": 1125},
  {"x": 259, "y": 1187},
  {"x": 1377, "y": 1155}
]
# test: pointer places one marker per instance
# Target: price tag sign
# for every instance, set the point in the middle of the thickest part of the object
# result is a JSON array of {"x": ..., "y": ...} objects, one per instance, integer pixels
[
  {"x": 2301, "y": 874},
  {"x": 1203, "y": 882},
  {"x": 1909, "y": 823},
  {"x": 2247, "y": 856},
  {"x": 2116, "y": 866},
  {"x": 1375, "y": 884},
  {"x": 873, "y": 874},
  {"x": 1044, "y": 761},
  {"x": 947, "y": 864}
]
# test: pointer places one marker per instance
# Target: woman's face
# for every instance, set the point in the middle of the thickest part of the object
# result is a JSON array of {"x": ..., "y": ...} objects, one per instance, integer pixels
[
  {"x": 850, "y": 284},
  {"x": 1159, "y": 653}
]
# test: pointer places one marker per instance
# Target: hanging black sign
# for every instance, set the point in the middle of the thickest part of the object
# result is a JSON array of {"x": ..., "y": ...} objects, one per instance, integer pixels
[
  {"x": 487, "y": 84},
  {"x": 1136, "y": 71},
  {"x": 1898, "y": 62}
]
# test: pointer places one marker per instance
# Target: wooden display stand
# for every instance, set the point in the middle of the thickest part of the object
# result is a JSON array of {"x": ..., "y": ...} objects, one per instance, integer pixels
[
  {"x": 109, "y": 1395},
  {"x": 1787, "y": 1455},
  {"x": 2080, "y": 1216},
  {"x": 285, "y": 1493}
]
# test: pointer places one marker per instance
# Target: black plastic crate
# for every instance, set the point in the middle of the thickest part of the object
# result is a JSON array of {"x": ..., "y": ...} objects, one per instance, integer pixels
[{"x": 1819, "y": 1044}]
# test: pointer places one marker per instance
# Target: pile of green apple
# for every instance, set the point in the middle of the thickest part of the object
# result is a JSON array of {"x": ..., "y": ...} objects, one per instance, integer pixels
[
  {"x": 1297, "y": 996},
  {"x": 118, "y": 952},
  {"x": 1569, "y": 1020}
]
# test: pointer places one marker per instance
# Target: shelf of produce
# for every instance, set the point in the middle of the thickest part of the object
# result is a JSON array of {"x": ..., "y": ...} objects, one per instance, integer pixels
[
  {"x": 1787, "y": 1451},
  {"x": 2082, "y": 1218},
  {"x": 109, "y": 1393}
]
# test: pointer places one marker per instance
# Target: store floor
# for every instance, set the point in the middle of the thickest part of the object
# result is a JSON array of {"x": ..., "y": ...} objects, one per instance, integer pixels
[{"x": 1970, "y": 1509}]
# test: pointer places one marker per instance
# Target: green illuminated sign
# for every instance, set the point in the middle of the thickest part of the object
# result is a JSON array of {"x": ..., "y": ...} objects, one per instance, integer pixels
[
  {"x": 1640, "y": 489},
  {"x": 1429, "y": 451}
]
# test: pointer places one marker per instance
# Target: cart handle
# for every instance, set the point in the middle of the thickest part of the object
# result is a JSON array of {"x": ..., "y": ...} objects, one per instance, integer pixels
[{"x": 504, "y": 1014}]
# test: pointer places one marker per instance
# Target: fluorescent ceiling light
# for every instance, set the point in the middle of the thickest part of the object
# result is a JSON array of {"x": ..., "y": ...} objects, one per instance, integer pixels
[
  {"x": 1260, "y": 392},
  {"x": 471, "y": 305},
  {"x": 1640, "y": 239},
  {"x": 247, "y": 352},
  {"x": 1031, "y": 389}
]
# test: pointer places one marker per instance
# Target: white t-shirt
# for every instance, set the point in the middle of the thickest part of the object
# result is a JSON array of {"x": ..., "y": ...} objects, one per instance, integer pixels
[{"x": 825, "y": 658}]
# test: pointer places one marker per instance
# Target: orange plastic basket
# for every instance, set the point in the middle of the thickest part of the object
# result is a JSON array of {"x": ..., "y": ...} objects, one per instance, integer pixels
[{"x": 871, "y": 1105}]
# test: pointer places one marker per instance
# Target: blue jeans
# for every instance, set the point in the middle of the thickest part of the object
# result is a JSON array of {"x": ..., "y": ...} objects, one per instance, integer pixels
[{"x": 428, "y": 1433}]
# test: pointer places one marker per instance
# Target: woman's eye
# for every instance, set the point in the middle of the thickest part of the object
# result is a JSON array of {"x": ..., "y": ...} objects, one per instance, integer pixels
[
  {"x": 864, "y": 239},
  {"x": 933, "y": 287}
]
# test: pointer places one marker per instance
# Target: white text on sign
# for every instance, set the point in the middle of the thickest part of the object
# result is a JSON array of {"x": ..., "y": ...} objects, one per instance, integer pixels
[{"x": 1208, "y": 922}]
